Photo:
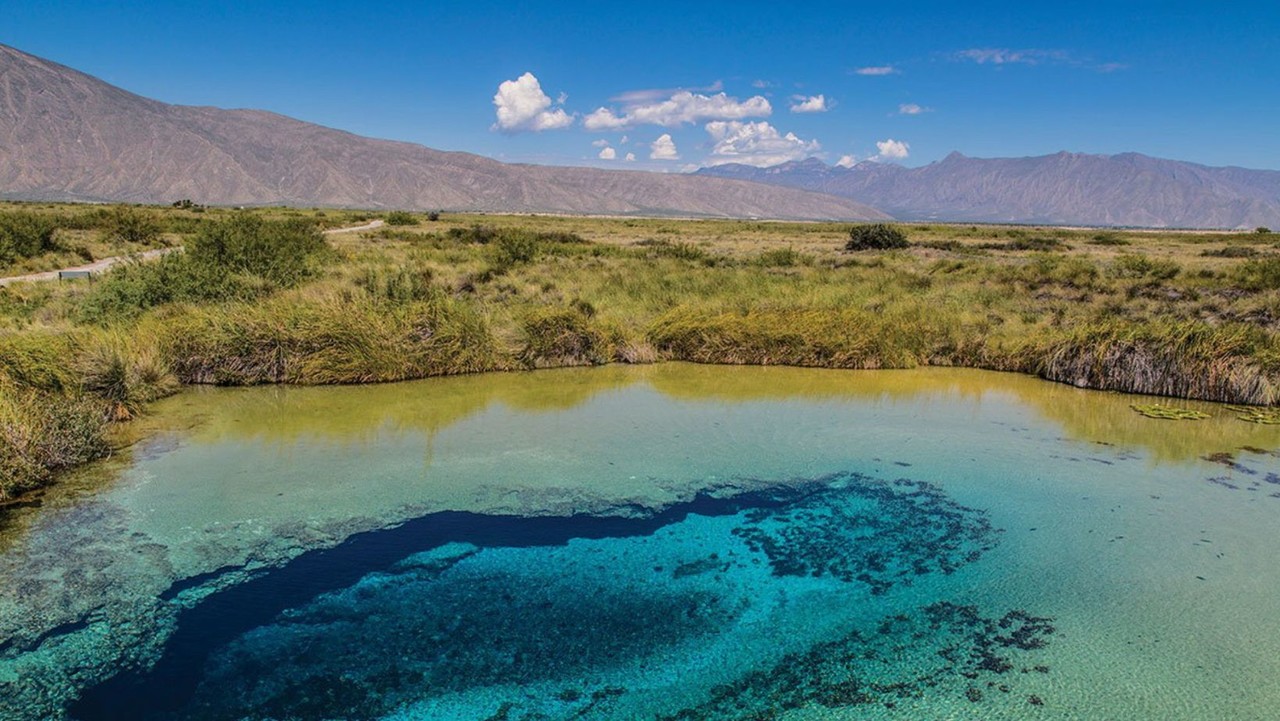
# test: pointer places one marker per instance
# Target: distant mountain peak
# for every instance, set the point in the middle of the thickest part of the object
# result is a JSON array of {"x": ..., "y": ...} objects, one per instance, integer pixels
[
  {"x": 69, "y": 136},
  {"x": 1127, "y": 189}
]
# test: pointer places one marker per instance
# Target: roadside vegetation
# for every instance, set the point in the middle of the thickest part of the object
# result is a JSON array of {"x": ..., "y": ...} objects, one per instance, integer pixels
[{"x": 259, "y": 296}]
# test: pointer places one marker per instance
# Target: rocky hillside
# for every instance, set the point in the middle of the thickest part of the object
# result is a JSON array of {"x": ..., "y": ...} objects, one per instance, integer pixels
[
  {"x": 65, "y": 135},
  {"x": 1066, "y": 188}
]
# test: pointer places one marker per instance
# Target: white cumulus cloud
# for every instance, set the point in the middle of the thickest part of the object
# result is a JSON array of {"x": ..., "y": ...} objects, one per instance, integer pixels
[
  {"x": 759, "y": 144},
  {"x": 521, "y": 105},
  {"x": 631, "y": 158},
  {"x": 810, "y": 104},
  {"x": 846, "y": 161},
  {"x": 876, "y": 70},
  {"x": 608, "y": 153},
  {"x": 892, "y": 149},
  {"x": 664, "y": 148},
  {"x": 682, "y": 107},
  {"x": 604, "y": 119},
  {"x": 599, "y": 143}
]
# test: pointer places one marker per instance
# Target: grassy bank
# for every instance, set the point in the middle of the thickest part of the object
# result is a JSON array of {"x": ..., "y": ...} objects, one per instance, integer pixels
[{"x": 259, "y": 297}]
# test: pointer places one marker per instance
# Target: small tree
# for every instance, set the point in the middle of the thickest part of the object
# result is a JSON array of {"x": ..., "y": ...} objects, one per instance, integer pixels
[
  {"x": 1264, "y": 230},
  {"x": 876, "y": 236}
]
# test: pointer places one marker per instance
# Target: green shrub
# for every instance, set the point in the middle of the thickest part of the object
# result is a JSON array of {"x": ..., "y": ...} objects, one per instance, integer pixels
[
  {"x": 1108, "y": 239},
  {"x": 1140, "y": 266},
  {"x": 1231, "y": 251},
  {"x": 1260, "y": 274},
  {"x": 1264, "y": 230},
  {"x": 400, "y": 217},
  {"x": 514, "y": 247},
  {"x": 26, "y": 235},
  {"x": 131, "y": 225},
  {"x": 877, "y": 236},
  {"x": 283, "y": 252}
]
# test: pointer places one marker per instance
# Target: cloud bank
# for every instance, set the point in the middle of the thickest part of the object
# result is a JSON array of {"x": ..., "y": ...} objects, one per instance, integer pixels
[
  {"x": 759, "y": 144},
  {"x": 681, "y": 108}
]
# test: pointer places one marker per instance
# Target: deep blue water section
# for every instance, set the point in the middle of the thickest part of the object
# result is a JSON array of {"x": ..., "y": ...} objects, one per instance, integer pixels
[{"x": 577, "y": 611}]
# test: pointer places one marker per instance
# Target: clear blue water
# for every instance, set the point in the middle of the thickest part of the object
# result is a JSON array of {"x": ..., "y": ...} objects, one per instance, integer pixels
[{"x": 670, "y": 542}]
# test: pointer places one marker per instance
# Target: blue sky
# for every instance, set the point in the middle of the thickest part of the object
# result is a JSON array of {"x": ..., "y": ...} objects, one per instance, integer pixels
[{"x": 1182, "y": 80}]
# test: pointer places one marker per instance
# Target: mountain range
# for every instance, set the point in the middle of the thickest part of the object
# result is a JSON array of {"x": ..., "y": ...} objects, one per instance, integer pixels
[
  {"x": 65, "y": 135},
  {"x": 1062, "y": 189}
]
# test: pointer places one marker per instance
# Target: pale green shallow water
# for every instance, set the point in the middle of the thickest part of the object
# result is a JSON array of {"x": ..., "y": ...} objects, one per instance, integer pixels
[{"x": 284, "y": 553}]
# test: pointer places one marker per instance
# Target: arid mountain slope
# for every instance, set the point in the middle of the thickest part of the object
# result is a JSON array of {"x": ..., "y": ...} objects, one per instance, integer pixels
[
  {"x": 1066, "y": 188},
  {"x": 66, "y": 135}
]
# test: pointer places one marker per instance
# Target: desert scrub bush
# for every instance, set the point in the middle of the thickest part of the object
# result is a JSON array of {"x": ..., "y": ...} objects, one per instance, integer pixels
[
  {"x": 123, "y": 224},
  {"x": 329, "y": 340},
  {"x": 131, "y": 289},
  {"x": 562, "y": 336},
  {"x": 1231, "y": 251},
  {"x": 400, "y": 217},
  {"x": 513, "y": 248},
  {"x": 43, "y": 433},
  {"x": 1258, "y": 275},
  {"x": 875, "y": 236},
  {"x": 1107, "y": 239},
  {"x": 283, "y": 252},
  {"x": 477, "y": 233},
  {"x": 24, "y": 234},
  {"x": 1021, "y": 242},
  {"x": 1140, "y": 266}
]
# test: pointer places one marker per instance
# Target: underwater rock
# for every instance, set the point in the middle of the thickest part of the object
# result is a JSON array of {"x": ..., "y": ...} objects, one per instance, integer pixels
[
  {"x": 941, "y": 648},
  {"x": 874, "y": 532}
]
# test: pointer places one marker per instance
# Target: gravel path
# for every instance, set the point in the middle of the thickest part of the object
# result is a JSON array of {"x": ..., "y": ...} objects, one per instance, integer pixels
[{"x": 99, "y": 266}]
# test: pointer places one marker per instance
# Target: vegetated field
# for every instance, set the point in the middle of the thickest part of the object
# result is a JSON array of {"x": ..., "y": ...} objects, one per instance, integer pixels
[{"x": 258, "y": 296}]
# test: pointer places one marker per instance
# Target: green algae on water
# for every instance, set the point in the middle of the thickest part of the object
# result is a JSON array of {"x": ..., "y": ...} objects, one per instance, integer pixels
[{"x": 1168, "y": 413}]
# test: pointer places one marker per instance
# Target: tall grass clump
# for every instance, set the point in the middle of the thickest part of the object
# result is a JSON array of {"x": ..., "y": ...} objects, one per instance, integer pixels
[
  {"x": 818, "y": 337},
  {"x": 329, "y": 340},
  {"x": 562, "y": 337},
  {"x": 44, "y": 433},
  {"x": 1234, "y": 363}
]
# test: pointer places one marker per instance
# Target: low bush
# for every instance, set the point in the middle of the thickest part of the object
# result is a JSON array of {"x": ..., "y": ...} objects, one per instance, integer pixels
[
  {"x": 1141, "y": 266},
  {"x": 1257, "y": 275},
  {"x": 24, "y": 234},
  {"x": 123, "y": 224},
  {"x": 400, "y": 217},
  {"x": 877, "y": 236}
]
